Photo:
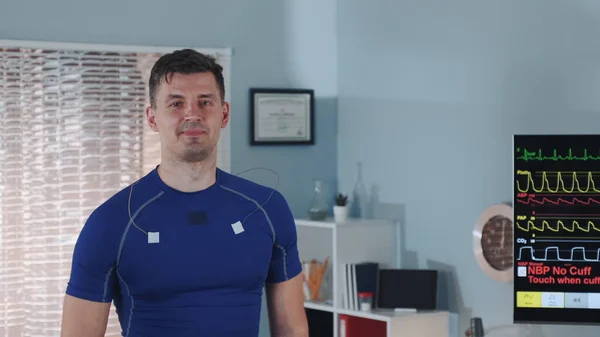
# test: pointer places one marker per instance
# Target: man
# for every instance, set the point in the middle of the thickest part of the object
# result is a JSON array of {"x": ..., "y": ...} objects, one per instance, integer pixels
[{"x": 186, "y": 250}]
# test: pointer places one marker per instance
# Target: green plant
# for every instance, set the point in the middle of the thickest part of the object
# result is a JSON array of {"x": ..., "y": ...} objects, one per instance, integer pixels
[{"x": 341, "y": 200}]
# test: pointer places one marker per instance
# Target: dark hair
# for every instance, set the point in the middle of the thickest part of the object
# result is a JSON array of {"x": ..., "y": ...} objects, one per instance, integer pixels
[{"x": 185, "y": 61}]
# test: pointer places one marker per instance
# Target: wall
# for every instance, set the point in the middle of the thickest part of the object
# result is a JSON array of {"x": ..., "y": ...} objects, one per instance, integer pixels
[
  {"x": 430, "y": 93},
  {"x": 274, "y": 45}
]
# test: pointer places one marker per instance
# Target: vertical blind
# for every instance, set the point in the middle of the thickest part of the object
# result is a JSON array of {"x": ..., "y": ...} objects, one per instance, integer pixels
[{"x": 72, "y": 133}]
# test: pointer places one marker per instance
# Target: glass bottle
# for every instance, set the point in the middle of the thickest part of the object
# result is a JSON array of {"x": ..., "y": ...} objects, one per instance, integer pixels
[
  {"x": 359, "y": 196},
  {"x": 319, "y": 207}
]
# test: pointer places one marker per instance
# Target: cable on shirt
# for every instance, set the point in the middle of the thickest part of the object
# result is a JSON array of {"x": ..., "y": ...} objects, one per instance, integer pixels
[{"x": 237, "y": 174}]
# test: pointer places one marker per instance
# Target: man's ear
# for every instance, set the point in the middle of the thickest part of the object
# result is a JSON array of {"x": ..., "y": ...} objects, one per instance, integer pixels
[
  {"x": 151, "y": 119},
  {"x": 225, "y": 119}
]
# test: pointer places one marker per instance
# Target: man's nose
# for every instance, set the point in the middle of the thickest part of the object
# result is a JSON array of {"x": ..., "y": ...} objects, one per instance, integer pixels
[{"x": 193, "y": 111}]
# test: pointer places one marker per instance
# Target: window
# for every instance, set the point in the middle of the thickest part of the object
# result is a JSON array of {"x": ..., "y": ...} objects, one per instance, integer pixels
[{"x": 72, "y": 133}]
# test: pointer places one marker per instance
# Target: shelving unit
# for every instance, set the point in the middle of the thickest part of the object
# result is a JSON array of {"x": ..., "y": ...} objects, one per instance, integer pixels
[{"x": 356, "y": 241}]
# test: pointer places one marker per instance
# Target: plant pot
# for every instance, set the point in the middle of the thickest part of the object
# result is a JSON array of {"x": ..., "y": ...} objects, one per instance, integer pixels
[{"x": 340, "y": 213}]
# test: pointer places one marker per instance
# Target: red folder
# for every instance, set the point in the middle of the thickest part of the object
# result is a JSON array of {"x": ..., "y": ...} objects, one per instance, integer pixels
[{"x": 352, "y": 326}]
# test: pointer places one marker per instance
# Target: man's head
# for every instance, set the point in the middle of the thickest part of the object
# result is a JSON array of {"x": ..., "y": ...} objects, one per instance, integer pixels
[{"x": 187, "y": 105}]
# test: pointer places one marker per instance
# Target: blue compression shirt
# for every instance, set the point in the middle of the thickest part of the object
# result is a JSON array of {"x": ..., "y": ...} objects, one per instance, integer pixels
[{"x": 183, "y": 264}]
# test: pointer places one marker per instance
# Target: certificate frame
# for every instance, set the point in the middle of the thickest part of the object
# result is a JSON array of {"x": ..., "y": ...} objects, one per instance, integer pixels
[{"x": 281, "y": 116}]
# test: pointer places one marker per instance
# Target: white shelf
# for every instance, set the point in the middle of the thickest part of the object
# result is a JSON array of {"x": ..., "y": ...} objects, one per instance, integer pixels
[
  {"x": 330, "y": 223},
  {"x": 316, "y": 224},
  {"x": 319, "y": 306},
  {"x": 385, "y": 315},
  {"x": 354, "y": 241},
  {"x": 378, "y": 315}
]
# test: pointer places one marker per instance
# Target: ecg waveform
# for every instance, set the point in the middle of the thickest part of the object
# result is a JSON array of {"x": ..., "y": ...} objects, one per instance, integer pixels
[
  {"x": 531, "y": 199},
  {"x": 539, "y": 156},
  {"x": 559, "y": 186},
  {"x": 567, "y": 252},
  {"x": 558, "y": 226}
]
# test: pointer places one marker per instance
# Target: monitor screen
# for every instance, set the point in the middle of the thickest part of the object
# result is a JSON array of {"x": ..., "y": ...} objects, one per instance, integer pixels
[
  {"x": 556, "y": 204},
  {"x": 408, "y": 289}
]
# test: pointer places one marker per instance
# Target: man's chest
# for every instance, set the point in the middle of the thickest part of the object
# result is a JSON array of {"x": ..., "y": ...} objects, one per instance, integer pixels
[{"x": 192, "y": 250}]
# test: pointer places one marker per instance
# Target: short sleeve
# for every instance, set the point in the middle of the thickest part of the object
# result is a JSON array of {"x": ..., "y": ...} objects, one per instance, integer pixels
[
  {"x": 93, "y": 274},
  {"x": 285, "y": 261}
]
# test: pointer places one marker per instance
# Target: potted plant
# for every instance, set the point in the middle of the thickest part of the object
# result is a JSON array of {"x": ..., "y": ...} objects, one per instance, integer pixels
[{"x": 340, "y": 209}]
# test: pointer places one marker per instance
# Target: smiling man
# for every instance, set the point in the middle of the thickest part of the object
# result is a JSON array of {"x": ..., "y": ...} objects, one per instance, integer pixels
[{"x": 187, "y": 249}]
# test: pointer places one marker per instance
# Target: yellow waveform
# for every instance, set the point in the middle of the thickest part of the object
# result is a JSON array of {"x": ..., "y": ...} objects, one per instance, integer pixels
[
  {"x": 560, "y": 184},
  {"x": 531, "y": 226}
]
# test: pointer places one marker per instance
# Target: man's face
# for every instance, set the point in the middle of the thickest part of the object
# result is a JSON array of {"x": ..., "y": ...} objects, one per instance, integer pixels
[{"x": 188, "y": 115}]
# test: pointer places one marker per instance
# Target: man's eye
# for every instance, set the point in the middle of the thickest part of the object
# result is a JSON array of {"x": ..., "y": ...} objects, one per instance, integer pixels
[{"x": 175, "y": 104}]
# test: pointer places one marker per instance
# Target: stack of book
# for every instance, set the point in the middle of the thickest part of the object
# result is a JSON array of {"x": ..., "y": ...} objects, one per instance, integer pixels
[{"x": 358, "y": 278}]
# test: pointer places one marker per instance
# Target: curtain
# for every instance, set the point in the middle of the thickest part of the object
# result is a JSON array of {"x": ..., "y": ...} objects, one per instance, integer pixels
[{"x": 72, "y": 133}]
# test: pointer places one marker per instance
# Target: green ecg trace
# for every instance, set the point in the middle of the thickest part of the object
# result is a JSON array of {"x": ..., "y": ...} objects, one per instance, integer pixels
[{"x": 530, "y": 155}]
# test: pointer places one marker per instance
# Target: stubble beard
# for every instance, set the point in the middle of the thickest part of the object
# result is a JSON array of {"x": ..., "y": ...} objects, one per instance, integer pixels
[
  {"x": 198, "y": 150},
  {"x": 195, "y": 154}
]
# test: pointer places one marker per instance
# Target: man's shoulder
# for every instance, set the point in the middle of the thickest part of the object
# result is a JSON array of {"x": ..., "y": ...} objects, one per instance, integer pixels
[
  {"x": 126, "y": 198},
  {"x": 251, "y": 189}
]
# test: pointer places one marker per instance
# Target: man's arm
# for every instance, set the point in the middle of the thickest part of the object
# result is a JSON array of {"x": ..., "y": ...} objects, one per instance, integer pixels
[
  {"x": 83, "y": 318},
  {"x": 284, "y": 284},
  {"x": 92, "y": 282},
  {"x": 285, "y": 302}
]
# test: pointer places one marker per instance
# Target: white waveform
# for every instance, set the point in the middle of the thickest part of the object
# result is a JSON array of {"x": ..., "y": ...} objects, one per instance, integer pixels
[{"x": 556, "y": 249}]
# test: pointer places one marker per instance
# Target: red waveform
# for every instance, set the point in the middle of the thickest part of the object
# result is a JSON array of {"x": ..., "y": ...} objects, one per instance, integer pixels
[{"x": 559, "y": 201}]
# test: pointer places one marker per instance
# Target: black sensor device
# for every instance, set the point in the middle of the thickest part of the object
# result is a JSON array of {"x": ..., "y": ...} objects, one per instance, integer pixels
[{"x": 197, "y": 218}]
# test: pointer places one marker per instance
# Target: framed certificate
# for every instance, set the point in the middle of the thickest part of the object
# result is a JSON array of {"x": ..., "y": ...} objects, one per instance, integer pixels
[{"x": 281, "y": 116}]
